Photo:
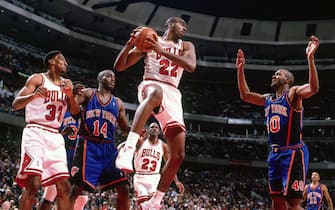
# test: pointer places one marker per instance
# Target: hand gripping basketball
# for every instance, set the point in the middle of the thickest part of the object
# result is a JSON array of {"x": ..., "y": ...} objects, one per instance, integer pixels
[{"x": 143, "y": 34}]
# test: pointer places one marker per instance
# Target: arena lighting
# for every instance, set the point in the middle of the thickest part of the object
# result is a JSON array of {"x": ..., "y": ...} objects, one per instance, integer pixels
[
  {"x": 233, "y": 121},
  {"x": 108, "y": 4}
]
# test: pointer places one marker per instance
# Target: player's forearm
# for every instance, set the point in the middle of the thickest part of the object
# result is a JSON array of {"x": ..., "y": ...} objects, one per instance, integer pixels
[
  {"x": 313, "y": 75},
  {"x": 242, "y": 84},
  {"x": 330, "y": 204},
  {"x": 21, "y": 101},
  {"x": 120, "y": 63},
  {"x": 73, "y": 106},
  {"x": 125, "y": 130}
]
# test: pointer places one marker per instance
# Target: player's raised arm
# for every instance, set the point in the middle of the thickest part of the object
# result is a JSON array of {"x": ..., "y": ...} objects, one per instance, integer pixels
[
  {"x": 245, "y": 93},
  {"x": 327, "y": 196},
  {"x": 312, "y": 87},
  {"x": 129, "y": 55},
  {"x": 67, "y": 88}
]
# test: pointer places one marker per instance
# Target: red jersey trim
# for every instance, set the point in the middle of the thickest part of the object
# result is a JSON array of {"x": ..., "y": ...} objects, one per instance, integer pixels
[
  {"x": 33, "y": 124},
  {"x": 156, "y": 80}
]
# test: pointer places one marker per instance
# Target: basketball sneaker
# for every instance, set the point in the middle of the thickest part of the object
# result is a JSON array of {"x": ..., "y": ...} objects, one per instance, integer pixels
[
  {"x": 148, "y": 205},
  {"x": 124, "y": 160}
]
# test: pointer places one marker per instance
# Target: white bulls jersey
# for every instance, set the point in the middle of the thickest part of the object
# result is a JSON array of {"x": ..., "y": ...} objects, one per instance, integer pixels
[
  {"x": 159, "y": 68},
  {"x": 148, "y": 158},
  {"x": 48, "y": 111}
]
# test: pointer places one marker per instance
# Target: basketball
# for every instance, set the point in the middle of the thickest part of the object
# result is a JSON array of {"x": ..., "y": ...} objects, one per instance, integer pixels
[{"x": 142, "y": 35}]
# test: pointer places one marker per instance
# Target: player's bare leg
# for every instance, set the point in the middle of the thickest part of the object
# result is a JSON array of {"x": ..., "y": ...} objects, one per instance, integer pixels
[
  {"x": 294, "y": 204},
  {"x": 29, "y": 194},
  {"x": 278, "y": 203},
  {"x": 45, "y": 204},
  {"x": 171, "y": 167},
  {"x": 123, "y": 201},
  {"x": 75, "y": 193},
  {"x": 80, "y": 202},
  {"x": 153, "y": 95},
  {"x": 63, "y": 194},
  {"x": 49, "y": 195}
]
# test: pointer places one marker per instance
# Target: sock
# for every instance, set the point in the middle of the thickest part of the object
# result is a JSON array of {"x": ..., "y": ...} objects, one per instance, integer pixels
[
  {"x": 132, "y": 139},
  {"x": 157, "y": 197},
  {"x": 80, "y": 202}
]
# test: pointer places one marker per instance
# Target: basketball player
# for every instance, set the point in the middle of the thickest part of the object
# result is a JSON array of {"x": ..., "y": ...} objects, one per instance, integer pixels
[
  {"x": 288, "y": 160},
  {"x": 69, "y": 130},
  {"x": 94, "y": 162},
  {"x": 158, "y": 94},
  {"x": 315, "y": 192},
  {"x": 45, "y": 97},
  {"x": 150, "y": 150}
]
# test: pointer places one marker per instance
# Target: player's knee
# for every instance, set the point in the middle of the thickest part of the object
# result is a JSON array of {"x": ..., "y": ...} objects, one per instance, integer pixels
[
  {"x": 123, "y": 190},
  {"x": 178, "y": 157},
  {"x": 33, "y": 186},
  {"x": 155, "y": 96},
  {"x": 176, "y": 135},
  {"x": 63, "y": 188},
  {"x": 75, "y": 192}
]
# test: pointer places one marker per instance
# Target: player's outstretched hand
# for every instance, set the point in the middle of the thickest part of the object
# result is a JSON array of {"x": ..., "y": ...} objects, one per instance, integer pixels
[
  {"x": 132, "y": 39},
  {"x": 180, "y": 187},
  {"x": 312, "y": 46},
  {"x": 240, "y": 60},
  {"x": 67, "y": 87}
]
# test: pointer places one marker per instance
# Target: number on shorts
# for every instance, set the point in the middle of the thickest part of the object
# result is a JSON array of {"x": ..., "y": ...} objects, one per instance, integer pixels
[
  {"x": 298, "y": 185},
  {"x": 73, "y": 136},
  {"x": 146, "y": 162}
]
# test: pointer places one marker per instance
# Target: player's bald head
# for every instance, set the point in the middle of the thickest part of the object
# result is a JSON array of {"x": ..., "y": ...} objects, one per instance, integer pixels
[{"x": 103, "y": 73}]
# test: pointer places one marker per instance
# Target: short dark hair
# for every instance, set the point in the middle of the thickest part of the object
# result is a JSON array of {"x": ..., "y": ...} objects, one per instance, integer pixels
[
  {"x": 77, "y": 82},
  {"x": 49, "y": 56},
  {"x": 171, "y": 20}
]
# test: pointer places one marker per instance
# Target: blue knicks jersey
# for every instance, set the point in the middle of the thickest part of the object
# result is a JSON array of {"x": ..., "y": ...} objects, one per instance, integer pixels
[
  {"x": 284, "y": 123},
  {"x": 69, "y": 121},
  {"x": 314, "y": 197},
  {"x": 99, "y": 120}
]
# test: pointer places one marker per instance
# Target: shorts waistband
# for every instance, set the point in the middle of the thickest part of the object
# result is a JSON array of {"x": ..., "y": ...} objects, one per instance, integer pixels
[
  {"x": 156, "y": 80},
  {"x": 43, "y": 127},
  {"x": 314, "y": 205},
  {"x": 277, "y": 147},
  {"x": 139, "y": 173},
  {"x": 97, "y": 140}
]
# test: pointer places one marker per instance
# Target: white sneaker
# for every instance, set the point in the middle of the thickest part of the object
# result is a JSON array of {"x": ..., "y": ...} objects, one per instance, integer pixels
[
  {"x": 147, "y": 205},
  {"x": 124, "y": 160}
]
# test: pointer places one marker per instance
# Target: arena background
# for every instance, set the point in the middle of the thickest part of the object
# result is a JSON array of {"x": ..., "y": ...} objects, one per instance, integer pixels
[{"x": 226, "y": 143}]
